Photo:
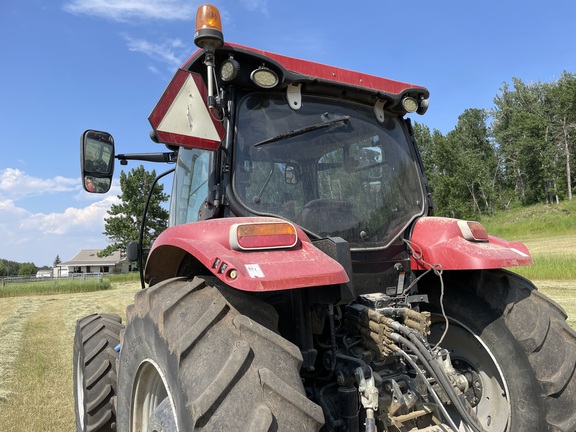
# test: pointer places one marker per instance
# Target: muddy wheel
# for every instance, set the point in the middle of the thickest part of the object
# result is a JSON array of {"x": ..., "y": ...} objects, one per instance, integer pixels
[
  {"x": 197, "y": 355},
  {"x": 95, "y": 372},
  {"x": 515, "y": 348}
]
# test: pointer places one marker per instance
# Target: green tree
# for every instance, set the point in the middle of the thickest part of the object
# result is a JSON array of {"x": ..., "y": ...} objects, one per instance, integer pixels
[
  {"x": 478, "y": 167},
  {"x": 522, "y": 127},
  {"x": 522, "y": 150},
  {"x": 9, "y": 268},
  {"x": 57, "y": 261},
  {"x": 562, "y": 101},
  {"x": 123, "y": 223},
  {"x": 27, "y": 269},
  {"x": 461, "y": 167},
  {"x": 425, "y": 143}
]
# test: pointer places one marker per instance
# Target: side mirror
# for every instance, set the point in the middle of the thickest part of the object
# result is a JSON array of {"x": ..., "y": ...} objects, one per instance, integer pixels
[
  {"x": 371, "y": 161},
  {"x": 133, "y": 251},
  {"x": 97, "y": 161},
  {"x": 291, "y": 174}
]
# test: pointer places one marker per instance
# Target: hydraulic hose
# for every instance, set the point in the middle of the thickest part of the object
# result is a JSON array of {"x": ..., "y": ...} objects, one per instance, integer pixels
[
  {"x": 416, "y": 345},
  {"x": 398, "y": 338},
  {"x": 370, "y": 425},
  {"x": 470, "y": 421}
]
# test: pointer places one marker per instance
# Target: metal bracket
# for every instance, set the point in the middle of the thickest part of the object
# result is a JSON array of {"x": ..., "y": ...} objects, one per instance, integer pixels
[
  {"x": 294, "y": 96},
  {"x": 379, "y": 110}
]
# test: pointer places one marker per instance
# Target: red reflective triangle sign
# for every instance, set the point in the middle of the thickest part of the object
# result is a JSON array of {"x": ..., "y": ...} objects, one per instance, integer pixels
[{"x": 182, "y": 117}]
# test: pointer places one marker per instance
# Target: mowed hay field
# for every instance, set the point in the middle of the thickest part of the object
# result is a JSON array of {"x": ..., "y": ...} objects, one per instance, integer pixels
[{"x": 36, "y": 340}]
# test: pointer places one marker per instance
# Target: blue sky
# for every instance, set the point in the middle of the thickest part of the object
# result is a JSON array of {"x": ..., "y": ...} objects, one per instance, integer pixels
[{"x": 71, "y": 65}]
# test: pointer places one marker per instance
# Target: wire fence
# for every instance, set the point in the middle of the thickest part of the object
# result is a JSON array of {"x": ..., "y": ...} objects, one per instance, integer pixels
[{"x": 34, "y": 278}]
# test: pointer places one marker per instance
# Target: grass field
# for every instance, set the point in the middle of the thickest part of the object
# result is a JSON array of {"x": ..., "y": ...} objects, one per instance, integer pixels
[
  {"x": 37, "y": 331},
  {"x": 53, "y": 286},
  {"x": 36, "y": 339}
]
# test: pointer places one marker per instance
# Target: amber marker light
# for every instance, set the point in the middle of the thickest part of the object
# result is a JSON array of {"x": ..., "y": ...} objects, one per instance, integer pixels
[
  {"x": 208, "y": 32},
  {"x": 473, "y": 231},
  {"x": 262, "y": 235}
]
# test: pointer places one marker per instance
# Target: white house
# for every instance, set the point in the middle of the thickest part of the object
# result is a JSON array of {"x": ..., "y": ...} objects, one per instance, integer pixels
[
  {"x": 88, "y": 261},
  {"x": 44, "y": 274}
]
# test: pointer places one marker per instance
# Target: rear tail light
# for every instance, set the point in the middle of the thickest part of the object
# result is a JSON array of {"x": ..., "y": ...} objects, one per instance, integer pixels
[
  {"x": 262, "y": 235},
  {"x": 473, "y": 231}
]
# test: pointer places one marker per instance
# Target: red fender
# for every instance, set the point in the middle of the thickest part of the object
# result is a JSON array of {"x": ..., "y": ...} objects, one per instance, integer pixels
[
  {"x": 208, "y": 241},
  {"x": 441, "y": 241}
]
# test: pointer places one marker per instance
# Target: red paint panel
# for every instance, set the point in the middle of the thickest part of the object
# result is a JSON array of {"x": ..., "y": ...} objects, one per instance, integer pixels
[
  {"x": 187, "y": 141},
  {"x": 299, "y": 267},
  {"x": 441, "y": 242},
  {"x": 344, "y": 76},
  {"x": 328, "y": 73}
]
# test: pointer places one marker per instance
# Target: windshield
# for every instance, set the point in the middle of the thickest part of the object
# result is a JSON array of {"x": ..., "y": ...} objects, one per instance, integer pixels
[{"x": 329, "y": 166}]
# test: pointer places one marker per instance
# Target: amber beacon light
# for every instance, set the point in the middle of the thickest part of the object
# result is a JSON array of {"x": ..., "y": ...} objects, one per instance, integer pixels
[{"x": 208, "y": 34}]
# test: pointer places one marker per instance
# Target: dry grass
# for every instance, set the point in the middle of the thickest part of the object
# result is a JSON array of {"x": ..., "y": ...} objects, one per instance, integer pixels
[
  {"x": 554, "y": 258},
  {"x": 563, "y": 246},
  {"x": 563, "y": 293},
  {"x": 13, "y": 331},
  {"x": 36, "y": 340}
]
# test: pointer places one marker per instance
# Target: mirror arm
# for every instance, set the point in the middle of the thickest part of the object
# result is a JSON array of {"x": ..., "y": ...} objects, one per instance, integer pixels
[{"x": 169, "y": 157}]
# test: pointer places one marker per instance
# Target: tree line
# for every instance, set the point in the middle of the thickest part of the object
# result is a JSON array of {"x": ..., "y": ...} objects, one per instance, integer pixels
[
  {"x": 518, "y": 153},
  {"x": 13, "y": 268}
]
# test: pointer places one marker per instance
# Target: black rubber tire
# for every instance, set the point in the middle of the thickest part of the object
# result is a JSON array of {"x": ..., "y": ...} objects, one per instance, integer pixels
[
  {"x": 95, "y": 372},
  {"x": 211, "y": 360},
  {"x": 526, "y": 333}
]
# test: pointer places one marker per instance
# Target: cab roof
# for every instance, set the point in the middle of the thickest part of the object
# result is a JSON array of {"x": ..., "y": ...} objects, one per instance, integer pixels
[{"x": 292, "y": 69}]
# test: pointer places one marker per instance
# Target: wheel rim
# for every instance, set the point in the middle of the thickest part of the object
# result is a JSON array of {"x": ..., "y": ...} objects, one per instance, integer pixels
[
  {"x": 149, "y": 393},
  {"x": 469, "y": 352},
  {"x": 80, "y": 392}
]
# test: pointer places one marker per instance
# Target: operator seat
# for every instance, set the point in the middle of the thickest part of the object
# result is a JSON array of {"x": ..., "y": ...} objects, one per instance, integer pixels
[{"x": 329, "y": 217}]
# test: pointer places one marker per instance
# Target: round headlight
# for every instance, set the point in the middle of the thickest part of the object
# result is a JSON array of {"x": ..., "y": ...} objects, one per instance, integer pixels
[
  {"x": 264, "y": 77},
  {"x": 410, "y": 104},
  {"x": 229, "y": 69}
]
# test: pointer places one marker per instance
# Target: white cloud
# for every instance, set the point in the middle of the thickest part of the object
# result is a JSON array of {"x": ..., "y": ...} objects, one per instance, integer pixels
[
  {"x": 172, "y": 52},
  {"x": 15, "y": 183},
  {"x": 37, "y": 236},
  {"x": 256, "y": 5},
  {"x": 124, "y": 10},
  {"x": 10, "y": 215},
  {"x": 73, "y": 220},
  {"x": 154, "y": 70}
]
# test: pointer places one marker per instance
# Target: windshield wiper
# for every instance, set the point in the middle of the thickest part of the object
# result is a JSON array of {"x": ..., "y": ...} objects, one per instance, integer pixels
[{"x": 304, "y": 130}]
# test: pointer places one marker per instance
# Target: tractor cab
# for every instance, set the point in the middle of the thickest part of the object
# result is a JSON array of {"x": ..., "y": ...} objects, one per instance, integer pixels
[
  {"x": 328, "y": 149},
  {"x": 255, "y": 133}
]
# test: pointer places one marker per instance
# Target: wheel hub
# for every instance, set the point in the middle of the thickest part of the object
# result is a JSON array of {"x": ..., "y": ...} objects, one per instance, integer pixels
[
  {"x": 475, "y": 388},
  {"x": 487, "y": 391},
  {"x": 152, "y": 408}
]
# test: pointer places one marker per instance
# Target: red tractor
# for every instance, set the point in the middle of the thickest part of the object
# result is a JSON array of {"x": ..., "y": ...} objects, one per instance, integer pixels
[{"x": 303, "y": 284}]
